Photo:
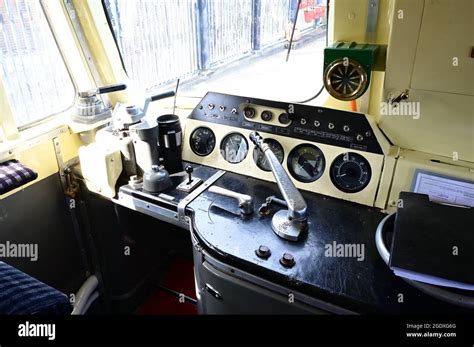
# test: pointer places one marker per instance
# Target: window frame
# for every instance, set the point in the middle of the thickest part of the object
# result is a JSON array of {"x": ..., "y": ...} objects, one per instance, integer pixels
[{"x": 10, "y": 126}]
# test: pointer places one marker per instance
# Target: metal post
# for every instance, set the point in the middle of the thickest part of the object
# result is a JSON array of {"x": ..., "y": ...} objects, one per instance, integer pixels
[
  {"x": 202, "y": 29},
  {"x": 256, "y": 28}
]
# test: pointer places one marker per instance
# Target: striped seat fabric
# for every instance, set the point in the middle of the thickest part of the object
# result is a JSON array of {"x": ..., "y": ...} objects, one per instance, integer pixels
[
  {"x": 14, "y": 175},
  {"x": 21, "y": 294}
]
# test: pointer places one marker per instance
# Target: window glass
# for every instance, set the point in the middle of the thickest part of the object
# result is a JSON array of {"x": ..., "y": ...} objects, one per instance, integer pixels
[
  {"x": 231, "y": 46},
  {"x": 32, "y": 70}
]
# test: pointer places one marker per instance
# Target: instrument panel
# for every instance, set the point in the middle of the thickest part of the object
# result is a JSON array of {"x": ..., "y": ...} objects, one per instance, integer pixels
[{"x": 346, "y": 165}]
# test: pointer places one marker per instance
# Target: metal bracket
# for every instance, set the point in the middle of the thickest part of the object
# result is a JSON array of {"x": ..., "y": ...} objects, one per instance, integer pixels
[
  {"x": 372, "y": 19},
  {"x": 69, "y": 187},
  {"x": 188, "y": 199},
  {"x": 60, "y": 161}
]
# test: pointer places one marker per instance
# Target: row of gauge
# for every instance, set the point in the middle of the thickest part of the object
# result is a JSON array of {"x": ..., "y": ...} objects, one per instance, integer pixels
[{"x": 350, "y": 172}]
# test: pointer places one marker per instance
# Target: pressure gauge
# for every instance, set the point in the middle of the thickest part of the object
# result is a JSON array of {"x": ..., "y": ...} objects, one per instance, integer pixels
[
  {"x": 234, "y": 148},
  {"x": 261, "y": 160},
  {"x": 350, "y": 172},
  {"x": 306, "y": 163},
  {"x": 202, "y": 141}
]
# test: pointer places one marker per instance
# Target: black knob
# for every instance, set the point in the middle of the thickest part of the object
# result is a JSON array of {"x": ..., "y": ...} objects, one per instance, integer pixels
[
  {"x": 266, "y": 116},
  {"x": 189, "y": 170},
  {"x": 249, "y": 112},
  {"x": 287, "y": 260},
  {"x": 263, "y": 252},
  {"x": 284, "y": 118}
]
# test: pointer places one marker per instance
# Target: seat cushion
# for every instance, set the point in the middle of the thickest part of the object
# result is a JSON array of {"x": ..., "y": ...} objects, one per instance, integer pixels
[
  {"x": 22, "y": 294},
  {"x": 14, "y": 175}
]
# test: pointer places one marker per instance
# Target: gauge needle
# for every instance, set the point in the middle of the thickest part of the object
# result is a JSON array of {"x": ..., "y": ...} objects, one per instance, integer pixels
[
  {"x": 239, "y": 154},
  {"x": 306, "y": 166}
]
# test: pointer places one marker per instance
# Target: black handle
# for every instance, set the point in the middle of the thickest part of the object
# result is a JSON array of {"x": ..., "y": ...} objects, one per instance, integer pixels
[
  {"x": 111, "y": 88},
  {"x": 162, "y": 95}
]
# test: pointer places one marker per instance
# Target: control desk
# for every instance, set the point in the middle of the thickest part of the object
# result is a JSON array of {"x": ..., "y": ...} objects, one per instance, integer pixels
[{"x": 336, "y": 159}]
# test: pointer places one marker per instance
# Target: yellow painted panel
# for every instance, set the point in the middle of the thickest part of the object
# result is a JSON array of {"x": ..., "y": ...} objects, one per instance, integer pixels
[
  {"x": 410, "y": 161},
  {"x": 405, "y": 25},
  {"x": 70, "y": 144},
  {"x": 443, "y": 57},
  {"x": 101, "y": 44},
  {"x": 350, "y": 20}
]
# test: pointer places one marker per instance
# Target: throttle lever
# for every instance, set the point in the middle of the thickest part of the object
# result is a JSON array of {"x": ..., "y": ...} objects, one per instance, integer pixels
[{"x": 288, "y": 224}]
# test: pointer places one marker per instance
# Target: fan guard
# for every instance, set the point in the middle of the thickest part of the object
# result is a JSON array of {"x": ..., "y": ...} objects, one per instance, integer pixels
[{"x": 345, "y": 79}]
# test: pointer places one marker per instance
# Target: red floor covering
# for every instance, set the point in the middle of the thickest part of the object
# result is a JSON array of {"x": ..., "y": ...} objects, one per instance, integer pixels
[{"x": 180, "y": 278}]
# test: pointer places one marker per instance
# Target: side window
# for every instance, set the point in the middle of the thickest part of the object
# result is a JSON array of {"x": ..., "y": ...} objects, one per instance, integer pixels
[{"x": 32, "y": 69}]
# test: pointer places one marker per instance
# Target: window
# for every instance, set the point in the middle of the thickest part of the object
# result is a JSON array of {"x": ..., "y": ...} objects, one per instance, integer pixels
[
  {"x": 231, "y": 46},
  {"x": 32, "y": 70}
]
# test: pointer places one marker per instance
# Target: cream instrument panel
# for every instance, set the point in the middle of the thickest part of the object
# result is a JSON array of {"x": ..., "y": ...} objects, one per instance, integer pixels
[{"x": 320, "y": 153}]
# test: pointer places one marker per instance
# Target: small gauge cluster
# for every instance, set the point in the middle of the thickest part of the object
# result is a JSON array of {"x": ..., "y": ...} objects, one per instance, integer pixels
[
  {"x": 313, "y": 124},
  {"x": 349, "y": 172},
  {"x": 251, "y": 113}
]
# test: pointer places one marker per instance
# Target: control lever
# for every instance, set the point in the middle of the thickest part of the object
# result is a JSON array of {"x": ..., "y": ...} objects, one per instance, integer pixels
[
  {"x": 288, "y": 224},
  {"x": 102, "y": 90},
  {"x": 191, "y": 182},
  {"x": 245, "y": 201},
  {"x": 89, "y": 109}
]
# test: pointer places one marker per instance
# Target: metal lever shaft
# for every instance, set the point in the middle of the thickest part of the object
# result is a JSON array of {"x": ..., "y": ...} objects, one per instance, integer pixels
[
  {"x": 291, "y": 225},
  {"x": 297, "y": 208}
]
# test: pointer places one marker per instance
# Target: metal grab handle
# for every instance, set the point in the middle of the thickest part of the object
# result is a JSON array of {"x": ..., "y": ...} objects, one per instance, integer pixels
[
  {"x": 155, "y": 98},
  {"x": 111, "y": 88},
  {"x": 162, "y": 95},
  {"x": 102, "y": 90},
  {"x": 245, "y": 201},
  {"x": 297, "y": 208}
]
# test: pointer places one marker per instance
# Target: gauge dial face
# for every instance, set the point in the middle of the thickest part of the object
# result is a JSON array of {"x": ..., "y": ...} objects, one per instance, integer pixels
[
  {"x": 306, "y": 163},
  {"x": 202, "y": 141},
  {"x": 350, "y": 172},
  {"x": 261, "y": 160},
  {"x": 234, "y": 148}
]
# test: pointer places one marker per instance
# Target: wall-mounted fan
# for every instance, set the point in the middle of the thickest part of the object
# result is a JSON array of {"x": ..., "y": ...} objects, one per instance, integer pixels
[
  {"x": 345, "y": 79},
  {"x": 347, "y": 69}
]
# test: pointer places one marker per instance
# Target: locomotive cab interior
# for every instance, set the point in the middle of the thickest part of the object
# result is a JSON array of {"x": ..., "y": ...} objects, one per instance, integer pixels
[{"x": 252, "y": 157}]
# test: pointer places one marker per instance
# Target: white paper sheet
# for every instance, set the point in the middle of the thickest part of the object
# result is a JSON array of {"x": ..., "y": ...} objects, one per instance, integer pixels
[{"x": 444, "y": 189}]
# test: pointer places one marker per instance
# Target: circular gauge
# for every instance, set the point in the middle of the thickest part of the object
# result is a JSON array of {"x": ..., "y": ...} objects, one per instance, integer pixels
[
  {"x": 306, "y": 163},
  {"x": 350, "y": 172},
  {"x": 202, "y": 141},
  {"x": 261, "y": 160},
  {"x": 234, "y": 148}
]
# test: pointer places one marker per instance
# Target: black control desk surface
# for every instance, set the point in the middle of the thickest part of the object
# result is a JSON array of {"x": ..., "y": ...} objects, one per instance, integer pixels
[{"x": 367, "y": 286}]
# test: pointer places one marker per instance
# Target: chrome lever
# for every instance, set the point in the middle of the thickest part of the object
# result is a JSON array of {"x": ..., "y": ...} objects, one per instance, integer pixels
[
  {"x": 245, "y": 201},
  {"x": 288, "y": 224}
]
